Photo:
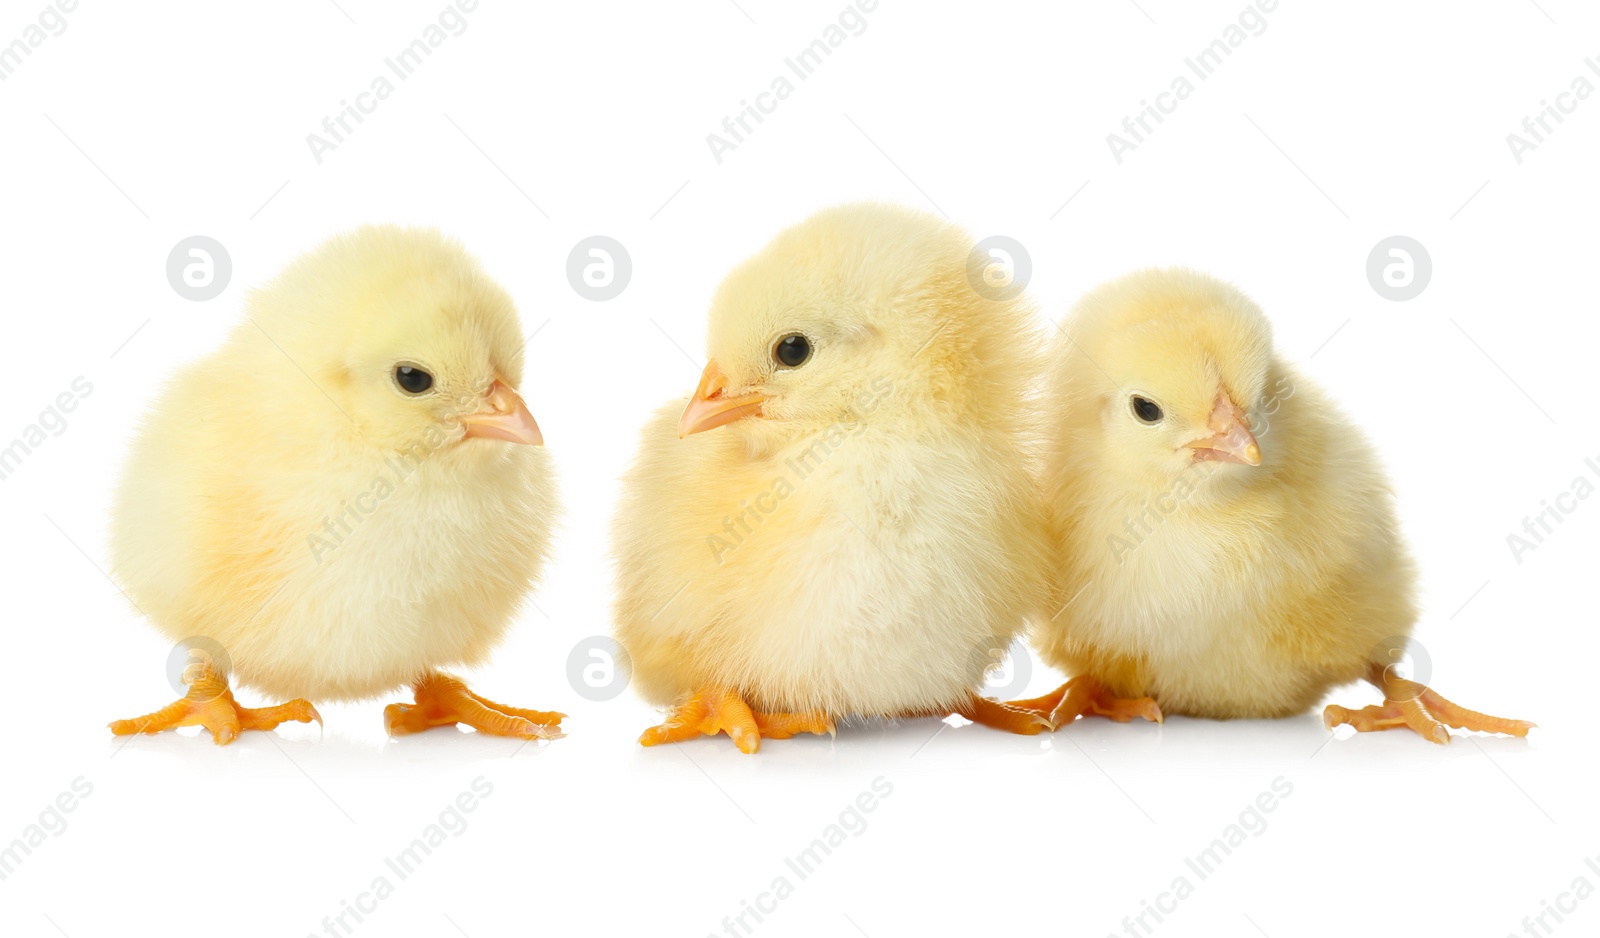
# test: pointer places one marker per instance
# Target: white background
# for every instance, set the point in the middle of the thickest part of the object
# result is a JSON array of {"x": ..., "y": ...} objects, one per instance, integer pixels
[{"x": 545, "y": 123}]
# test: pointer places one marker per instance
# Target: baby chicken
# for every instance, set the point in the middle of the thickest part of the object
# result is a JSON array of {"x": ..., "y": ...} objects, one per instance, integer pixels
[
  {"x": 840, "y": 522},
  {"x": 341, "y": 499},
  {"x": 1227, "y": 542}
]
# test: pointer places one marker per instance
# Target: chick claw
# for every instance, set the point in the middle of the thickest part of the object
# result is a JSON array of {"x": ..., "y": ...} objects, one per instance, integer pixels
[
  {"x": 1084, "y": 696},
  {"x": 209, "y": 703},
  {"x": 716, "y": 710},
  {"x": 1420, "y": 709},
  {"x": 442, "y": 700}
]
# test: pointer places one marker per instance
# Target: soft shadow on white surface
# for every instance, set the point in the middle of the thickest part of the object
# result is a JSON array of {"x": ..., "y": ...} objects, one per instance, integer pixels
[
  {"x": 443, "y": 746},
  {"x": 1178, "y": 740}
]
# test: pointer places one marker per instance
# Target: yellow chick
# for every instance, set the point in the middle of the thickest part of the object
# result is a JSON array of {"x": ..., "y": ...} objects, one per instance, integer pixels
[
  {"x": 840, "y": 521},
  {"x": 1226, "y": 539},
  {"x": 341, "y": 500}
]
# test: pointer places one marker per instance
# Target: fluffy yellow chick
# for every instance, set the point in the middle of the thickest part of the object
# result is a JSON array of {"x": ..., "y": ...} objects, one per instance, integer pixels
[
  {"x": 341, "y": 500},
  {"x": 1227, "y": 542},
  {"x": 840, "y": 521}
]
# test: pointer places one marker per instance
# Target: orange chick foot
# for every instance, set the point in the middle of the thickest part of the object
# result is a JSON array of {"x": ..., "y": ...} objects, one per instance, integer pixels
[
  {"x": 1084, "y": 696},
  {"x": 1418, "y": 708},
  {"x": 442, "y": 700},
  {"x": 209, "y": 703},
  {"x": 718, "y": 710},
  {"x": 1009, "y": 717}
]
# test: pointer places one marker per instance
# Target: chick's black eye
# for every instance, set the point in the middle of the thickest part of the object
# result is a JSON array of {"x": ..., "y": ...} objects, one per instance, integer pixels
[
  {"x": 412, "y": 380},
  {"x": 1146, "y": 410},
  {"x": 792, "y": 351}
]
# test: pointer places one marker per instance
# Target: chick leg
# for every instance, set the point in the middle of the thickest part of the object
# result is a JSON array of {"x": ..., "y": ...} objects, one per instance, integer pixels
[
  {"x": 711, "y": 711},
  {"x": 1419, "y": 708},
  {"x": 1008, "y": 717},
  {"x": 442, "y": 700},
  {"x": 209, "y": 703},
  {"x": 1084, "y": 696}
]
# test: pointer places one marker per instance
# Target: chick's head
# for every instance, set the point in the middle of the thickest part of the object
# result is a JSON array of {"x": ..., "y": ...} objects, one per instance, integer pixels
[
  {"x": 1178, "y": 369},
  {"x": 403, "y": 331},
  {"x": 863, "y": 312}
]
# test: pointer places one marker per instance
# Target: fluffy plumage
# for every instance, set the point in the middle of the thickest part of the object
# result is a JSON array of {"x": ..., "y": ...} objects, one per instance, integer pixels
[
  {"x": 866, "y": 541},
  {"x": 338, "y": 536},
  {"x": 1184, "y": 572}
]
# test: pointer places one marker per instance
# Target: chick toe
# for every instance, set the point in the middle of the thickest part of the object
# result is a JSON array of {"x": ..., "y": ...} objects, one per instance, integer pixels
[
  {"x": 442, "y": 700},
  {"x": 1084, "y": 696},
  {"x": 785, "y": 725},
  {"x": 707, "y": 713},
  {"x": 268, "y": 718},
  {"x": 1044, "y": 706},
  {"x": 1463, "y": 719},
  {"x": 1394, "y": 714},
  {"x": 992, "y": 713},
  {"x": 209, "y": 703},
  {"x": 541, "y": 717}
]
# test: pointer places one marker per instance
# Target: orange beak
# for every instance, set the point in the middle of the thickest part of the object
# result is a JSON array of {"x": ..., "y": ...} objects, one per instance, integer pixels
[
  {"x": 1232, "y": 440},
  {"x": 710, "y": 408},
  {"x": 504, "y": 417}
]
